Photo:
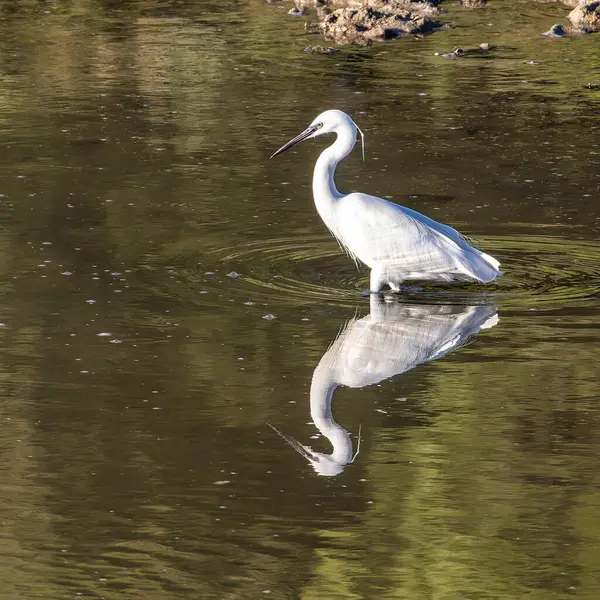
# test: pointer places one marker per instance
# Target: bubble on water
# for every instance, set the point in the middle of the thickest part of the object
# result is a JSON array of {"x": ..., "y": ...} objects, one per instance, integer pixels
[
  {"x": 91, "y": 301},
  {"x": 233, "y": 274},
  {"x": 269, "y": 317},
  {"x": 115, "y": 341},
  {"x": 103, "y": 334}
]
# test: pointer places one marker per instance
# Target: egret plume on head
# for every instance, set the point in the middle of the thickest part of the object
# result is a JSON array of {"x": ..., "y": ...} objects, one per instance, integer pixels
[{"x": 362, "y": 141}]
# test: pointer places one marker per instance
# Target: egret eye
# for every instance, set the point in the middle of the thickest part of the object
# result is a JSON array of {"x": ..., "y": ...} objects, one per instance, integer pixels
[{"x": 319, "y": 125}]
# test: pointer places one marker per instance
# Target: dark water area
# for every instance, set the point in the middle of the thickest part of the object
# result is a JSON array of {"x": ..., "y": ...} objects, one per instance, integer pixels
[{"x": 197, "y": 400}]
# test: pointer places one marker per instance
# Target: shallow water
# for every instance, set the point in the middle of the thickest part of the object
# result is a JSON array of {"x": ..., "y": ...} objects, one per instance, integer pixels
[{"x": 177, "y": 324}]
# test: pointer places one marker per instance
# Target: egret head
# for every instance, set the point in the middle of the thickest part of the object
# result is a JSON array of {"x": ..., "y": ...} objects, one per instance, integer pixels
[{"x": 330, "y": 121}]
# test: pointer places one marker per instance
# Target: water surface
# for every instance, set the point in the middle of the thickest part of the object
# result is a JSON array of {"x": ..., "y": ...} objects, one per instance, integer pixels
[{"x": 170, "y": 301}]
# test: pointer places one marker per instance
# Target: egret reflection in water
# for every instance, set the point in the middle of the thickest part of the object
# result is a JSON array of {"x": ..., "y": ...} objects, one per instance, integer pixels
[{"x": 392, "y": 339}]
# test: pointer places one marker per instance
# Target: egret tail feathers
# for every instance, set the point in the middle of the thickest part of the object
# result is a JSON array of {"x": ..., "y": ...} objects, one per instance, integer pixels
[{"x": 491, "y": 260}]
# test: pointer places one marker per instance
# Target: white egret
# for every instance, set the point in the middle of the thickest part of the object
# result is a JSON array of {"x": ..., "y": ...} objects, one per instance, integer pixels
[{"x": 397, "y": 243}]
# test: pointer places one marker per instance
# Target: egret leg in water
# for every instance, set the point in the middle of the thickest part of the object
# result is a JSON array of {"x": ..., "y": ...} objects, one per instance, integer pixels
[{"x": 397, "y": 243}]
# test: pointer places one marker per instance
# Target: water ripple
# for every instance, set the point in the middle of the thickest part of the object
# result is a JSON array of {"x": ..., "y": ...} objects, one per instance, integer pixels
[{"x": 540, "y": 271}]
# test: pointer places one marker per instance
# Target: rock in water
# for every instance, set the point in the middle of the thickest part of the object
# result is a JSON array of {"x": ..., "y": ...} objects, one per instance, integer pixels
[
  {"x": 556, "y": 31},
  {"x": 377, "y": 20},
  {"x": 473, "y": 3},
  {"x": 586, "y": 17},
  {"x": 320, "y": 49}
]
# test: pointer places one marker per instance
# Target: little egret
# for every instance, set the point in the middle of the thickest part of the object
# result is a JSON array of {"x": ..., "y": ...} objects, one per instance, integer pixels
[{"x": 396, "y": 242}]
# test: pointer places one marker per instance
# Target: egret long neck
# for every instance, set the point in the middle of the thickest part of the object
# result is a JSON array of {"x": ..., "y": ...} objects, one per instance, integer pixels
[{"x": 324, "y": 191}]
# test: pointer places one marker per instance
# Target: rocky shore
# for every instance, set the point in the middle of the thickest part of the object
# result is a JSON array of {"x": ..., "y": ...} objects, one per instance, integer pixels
[
  {"x": 585, "y": 18},
  {"x": 364, "y": 22}
]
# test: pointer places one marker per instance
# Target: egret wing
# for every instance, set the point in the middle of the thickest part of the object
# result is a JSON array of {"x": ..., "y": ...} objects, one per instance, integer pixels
[{"x": 379, "y": 232}]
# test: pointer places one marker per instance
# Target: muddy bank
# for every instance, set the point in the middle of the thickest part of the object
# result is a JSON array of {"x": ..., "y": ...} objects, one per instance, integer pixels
[{"x": 363, "y": 22}]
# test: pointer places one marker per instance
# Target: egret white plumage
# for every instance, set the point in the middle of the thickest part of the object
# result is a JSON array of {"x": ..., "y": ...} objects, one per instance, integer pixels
[{"x": 397, "y": 243}]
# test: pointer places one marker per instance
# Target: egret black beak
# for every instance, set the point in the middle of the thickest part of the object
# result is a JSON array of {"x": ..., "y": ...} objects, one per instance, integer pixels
[{"x": 306, "y": 133}]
